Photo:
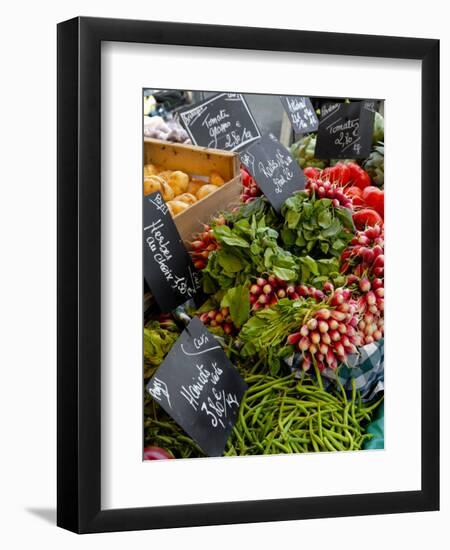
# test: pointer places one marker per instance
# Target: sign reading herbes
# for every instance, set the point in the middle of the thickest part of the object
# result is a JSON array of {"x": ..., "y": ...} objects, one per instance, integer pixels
[
  {"x": 223, "y": 121},
  {"x": 168, "y": 269},
  {"x": 199, "y": 388}
]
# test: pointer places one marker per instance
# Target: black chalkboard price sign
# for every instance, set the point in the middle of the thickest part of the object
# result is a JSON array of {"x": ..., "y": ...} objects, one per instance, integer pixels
[
  {"x": 168, "y": 269},
  {"x": 274, "y": 169},
  {"x": 199, "y": 388},
  {"x": 223, "y": 121},
  {"x": 301, "y": 113},
  {"x": 345, "y": 130}
]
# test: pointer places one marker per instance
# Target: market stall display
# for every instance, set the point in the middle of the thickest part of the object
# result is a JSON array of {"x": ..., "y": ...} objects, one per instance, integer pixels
[{"x": 294, "y": 295}]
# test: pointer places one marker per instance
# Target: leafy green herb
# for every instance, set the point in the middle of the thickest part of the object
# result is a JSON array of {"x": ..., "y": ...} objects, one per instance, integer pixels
[
  {"x": 238, "y": 300},
  {"x": 314, "y": 227}
]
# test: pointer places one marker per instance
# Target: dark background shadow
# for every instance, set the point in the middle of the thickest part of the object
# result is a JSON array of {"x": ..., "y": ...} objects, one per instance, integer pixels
[{"x": 46, "y": 514}]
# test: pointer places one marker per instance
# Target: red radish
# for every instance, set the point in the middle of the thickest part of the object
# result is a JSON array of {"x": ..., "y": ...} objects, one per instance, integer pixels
[
  {"x": 304, "y": 344},
  {"x": 377, "y": 283},
  {"x": 338, "y": 315},
  {"x": 294, "y": 338},
  {"x": 364, "y": 284},
  {"x": 312, "y": 324},
  {"x": 323, "y": 326},
  {"x": 227, "y": 328},
  {"x": 254, "y": 289},
  {"x": 156, "y": 453},
  {"x": 312, "y": 349},
  {"x": 323, "y": 314},
  {"x": 315, "y": 337},
  {"x": 334, "y": 335},
  {"x": 304, "y": 330},
  {"x": 267, "y": 289},
  {"x": 325, "y": 338},
  {"x": 306, "y": 365}
]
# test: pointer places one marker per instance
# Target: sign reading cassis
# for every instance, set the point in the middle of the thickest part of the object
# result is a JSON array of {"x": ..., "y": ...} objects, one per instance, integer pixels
[
  {"x": 274, "y": 170},
  {"x": 199, "y": 388},
  {"x": 345, "y": 130},
  {"x": 223, "y": 121},
  {"x": 301, "y": 113},
  {"x": 168, "y": 268}
]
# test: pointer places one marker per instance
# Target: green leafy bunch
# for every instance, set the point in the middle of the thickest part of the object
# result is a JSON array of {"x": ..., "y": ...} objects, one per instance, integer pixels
[
  {"x": 265, "y": 333},
  {"x": 247, "y": 249},
  {"x": 315, "y": 227},
  {"x": 157, "y": 343}
]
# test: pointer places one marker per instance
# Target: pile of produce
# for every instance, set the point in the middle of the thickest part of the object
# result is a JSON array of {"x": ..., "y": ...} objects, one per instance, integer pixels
[
  {"x": 284, "y": 415},
  {"x": 293, "y": 296},
  {"x": 170, "y": 130},
  {"x": 179, "y": 190}
]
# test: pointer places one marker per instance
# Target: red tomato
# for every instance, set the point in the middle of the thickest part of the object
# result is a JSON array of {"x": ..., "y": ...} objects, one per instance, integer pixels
[
  {"x": 343, "y": 172},
  {"x": 156, "y": 453},
  {"x": 365, "y": 217},
  {"x": 311, "y": 172},
  {"x": 374, "y": 198},
  {"x": 353, "y": 191},
  {"x": 338, "y": 174},
  {"x": 359, "y": 177},
  {"x": 245, "y": 177}
]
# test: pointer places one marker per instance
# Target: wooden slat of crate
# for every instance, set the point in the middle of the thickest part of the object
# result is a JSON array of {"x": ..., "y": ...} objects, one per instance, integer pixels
[
  {"x": 197, "y": 161},
  {"x": 191, "y": 220},
  {"x": 194, "y": 160}
]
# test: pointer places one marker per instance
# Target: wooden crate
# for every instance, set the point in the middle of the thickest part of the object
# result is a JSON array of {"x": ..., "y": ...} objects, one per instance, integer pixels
[{"x": 198, "y": 162}]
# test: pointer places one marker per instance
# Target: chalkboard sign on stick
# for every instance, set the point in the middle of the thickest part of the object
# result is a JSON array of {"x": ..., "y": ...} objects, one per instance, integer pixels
[
  {"x": 274, "y": 170},
  {"x": 199, "y": 388},
  {"x": 345, "y": 130},
  {"x": 168, "y": 269},
  {"x": 223, "y": 121},
  {"x": 301, "y": 113}
]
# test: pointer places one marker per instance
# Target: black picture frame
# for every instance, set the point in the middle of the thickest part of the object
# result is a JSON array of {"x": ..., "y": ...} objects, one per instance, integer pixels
[{"x": 79, "y": 280}]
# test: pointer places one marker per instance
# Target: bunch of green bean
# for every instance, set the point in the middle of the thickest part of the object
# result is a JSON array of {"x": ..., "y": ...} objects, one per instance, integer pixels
[
  {"x": 277, "y": 415},
  {"x": 284, "y": 415}
]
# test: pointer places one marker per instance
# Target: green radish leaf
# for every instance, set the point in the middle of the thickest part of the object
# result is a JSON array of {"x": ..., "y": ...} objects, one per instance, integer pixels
[
  {"x": 338, "y": 245},
  {"x": 332, "y": 230},
  {"x": 288, "y": 236},
  {"x": 224, "y": 234},
  {"x": 324, "y": 247},
  {"x": 284, "y": 273},
  {"x": 238, "y": 300},
  {"x": 324, "y": 219},
  {"x": 229, "y": 262},
  {"x": 345, "y": 215},
  {"x": 312, "y": 265}
]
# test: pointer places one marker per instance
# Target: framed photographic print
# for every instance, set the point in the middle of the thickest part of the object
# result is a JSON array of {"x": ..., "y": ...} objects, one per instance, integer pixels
[{"x": 248, "y": 303}]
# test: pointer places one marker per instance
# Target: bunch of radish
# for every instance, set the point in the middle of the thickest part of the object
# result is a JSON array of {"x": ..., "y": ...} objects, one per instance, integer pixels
[
  {"x": 322, "y": 187},
  {"x": 371, "y": 310},
  {"x": 203, "y": 244},
  {"x": 330, "y": 333},
  {"x": 266, "y": 292},
  {"x": 218, "y": 318},
  {"x": 250, "y": 189},
  {"x": 365, "y": 253}
]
